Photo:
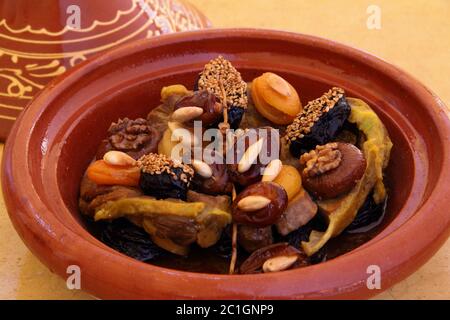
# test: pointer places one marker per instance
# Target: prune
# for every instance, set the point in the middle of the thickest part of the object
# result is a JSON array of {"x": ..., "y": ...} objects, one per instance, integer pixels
[
  {"x": 267, "y": 215},
  {"x": 221, "y": 78},
  {"x": 340, "y": 167},
  {"x": 162, "y": 178},
  {"x": 319, "y": 123},
  {"x": 130, "y": 240},
  {"x": 235, "y": 115},
  {"x": 369, "y": 216}
]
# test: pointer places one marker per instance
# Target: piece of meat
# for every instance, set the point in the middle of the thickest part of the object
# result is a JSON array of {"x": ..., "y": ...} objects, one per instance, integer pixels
[
  {"x": 252, "y": 238},
  {"x": 89, "y": 189},
  {"x": 93, "y": 196},
  {"x": 299, "y": 212},
  {"x": 181, "y": 230},
  {"x": 210, "y": 226},
  {"x": 117, "y": 193},
  {"x": 221, "y": 202}
]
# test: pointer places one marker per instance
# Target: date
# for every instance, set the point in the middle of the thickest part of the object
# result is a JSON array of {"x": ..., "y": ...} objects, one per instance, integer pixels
[{"x": 270, "y": 213}]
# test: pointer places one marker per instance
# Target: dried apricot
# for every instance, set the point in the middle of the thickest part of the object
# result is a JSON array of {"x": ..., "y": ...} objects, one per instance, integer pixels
[
  {"x": 275, "y": 98},
  {"x": 104, "y": 174},
  {"x": 290, "y": 179}
]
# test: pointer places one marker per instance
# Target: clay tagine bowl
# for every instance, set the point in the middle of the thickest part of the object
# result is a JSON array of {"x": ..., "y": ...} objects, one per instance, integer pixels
[{"x": 55, "y": 139}]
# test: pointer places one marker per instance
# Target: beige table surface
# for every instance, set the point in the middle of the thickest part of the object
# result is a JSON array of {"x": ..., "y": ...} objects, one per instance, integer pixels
[{"x": 414, "y": 35}]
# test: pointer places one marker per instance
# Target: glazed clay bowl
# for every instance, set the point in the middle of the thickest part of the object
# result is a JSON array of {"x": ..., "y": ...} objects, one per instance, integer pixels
[{"x": 55, "y": 139}]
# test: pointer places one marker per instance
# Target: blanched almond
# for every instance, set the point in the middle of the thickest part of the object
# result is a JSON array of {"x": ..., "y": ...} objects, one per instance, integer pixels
[
  {"x": 186, "y": 114},
  {"x": 278, "y": 84},
  {"x": 279, "y": 263},
  {"x": 202, "y": 168},
  {"x": 253, "y": 203},
  {"x": 118, "y": 158},
  {"x": 250, "y": 156},
  {"x": 272, "y": 170}
]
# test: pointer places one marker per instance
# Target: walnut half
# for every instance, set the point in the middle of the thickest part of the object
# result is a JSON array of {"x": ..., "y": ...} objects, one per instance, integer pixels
[{"x": 321, "y": 160}]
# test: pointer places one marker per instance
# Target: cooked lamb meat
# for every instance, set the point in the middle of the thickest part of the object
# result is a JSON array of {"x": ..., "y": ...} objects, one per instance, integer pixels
[
  {"x": 300, "y": 210},
  {"x": 89, "y": 189},
  {"x": 252, "y": 238},
  {"x": 93, "y": 196},
  {"x": 181, "y": 230},
  {"x": 218, "y": 202}
]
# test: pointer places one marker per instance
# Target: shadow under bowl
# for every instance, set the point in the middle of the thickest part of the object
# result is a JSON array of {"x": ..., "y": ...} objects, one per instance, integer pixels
[{"x": 55, "y": 139}]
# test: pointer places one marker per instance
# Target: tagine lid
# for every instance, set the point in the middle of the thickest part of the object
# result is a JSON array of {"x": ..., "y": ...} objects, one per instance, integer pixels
[{"x": 40, "y": 40}]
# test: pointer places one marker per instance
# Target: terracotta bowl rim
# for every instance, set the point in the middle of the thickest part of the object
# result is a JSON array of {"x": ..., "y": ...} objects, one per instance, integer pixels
[{"x": 28, "y": 218}]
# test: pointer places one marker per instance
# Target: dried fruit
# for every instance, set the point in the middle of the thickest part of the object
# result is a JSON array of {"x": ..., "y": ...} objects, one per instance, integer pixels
[
  {"x": 247, "y": 152},
  {"x": 275, "y": 98},
  {"x": 333, "y": 169},
  {"x": 376, "y": 148},
  {"x": 279, "y": 263},
  {"x": 267, "y": 215},
  {"x": 319, "y": 123},
  {"x": 177, "y": 90},
  {"x": 289, "y": 178},
  {"x": 254, "y": 263},
  {"x": 221, "y": 79},
  {"x": 218, "y": 182},
  {"x": 104, "y": 174},
  {"x": 200, "y": 105},
  {"x": 163, "y": 177},
  {"x": 253, "y": 203}
]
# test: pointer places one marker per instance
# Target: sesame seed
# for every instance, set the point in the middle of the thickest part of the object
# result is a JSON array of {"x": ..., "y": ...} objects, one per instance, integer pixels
[
  {"x": 221, "y": 70},
  {"x": 153, "y": 163},
  {"x": 311, "y": 113}
]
